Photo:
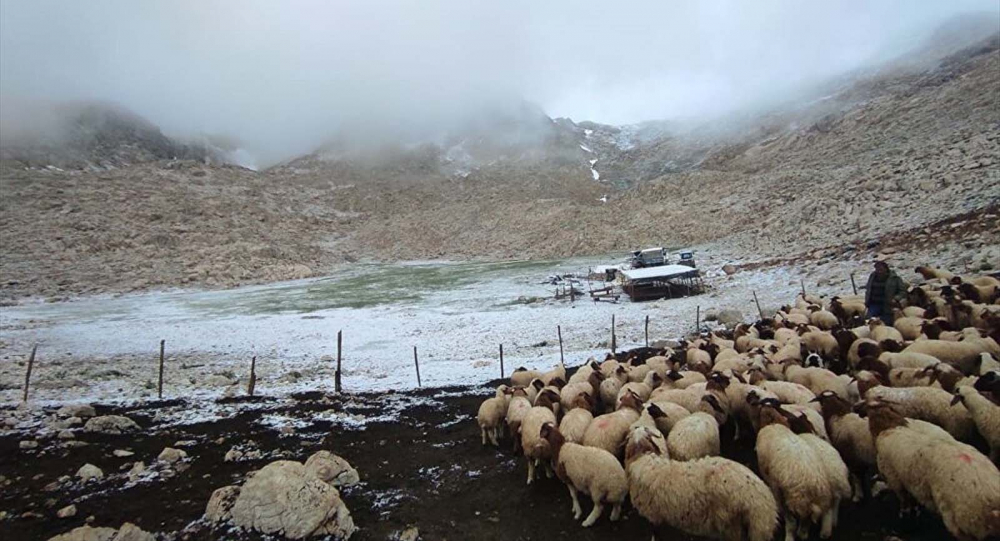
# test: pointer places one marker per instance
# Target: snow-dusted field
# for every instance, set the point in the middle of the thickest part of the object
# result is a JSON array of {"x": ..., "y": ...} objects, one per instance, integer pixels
[{"x": 456, "y": 314}]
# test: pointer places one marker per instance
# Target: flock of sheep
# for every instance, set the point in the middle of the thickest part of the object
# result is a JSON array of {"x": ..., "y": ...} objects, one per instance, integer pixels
[{"x": 830, "y": 400}]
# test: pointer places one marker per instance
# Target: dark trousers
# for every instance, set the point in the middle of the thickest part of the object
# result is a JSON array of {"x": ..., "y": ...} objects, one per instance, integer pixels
[{"x": 884, "y": 315}]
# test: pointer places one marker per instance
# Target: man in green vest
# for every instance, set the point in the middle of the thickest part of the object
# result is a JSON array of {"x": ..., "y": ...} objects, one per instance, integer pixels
[{"x": 885, "y": 289}]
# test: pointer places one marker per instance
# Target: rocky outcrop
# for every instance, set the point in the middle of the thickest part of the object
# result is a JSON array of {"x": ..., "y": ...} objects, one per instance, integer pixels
[
  {"x": 111, "y": 424},
  {"x": 289, "y": 499},
  {"x": 127, "y": 532}
]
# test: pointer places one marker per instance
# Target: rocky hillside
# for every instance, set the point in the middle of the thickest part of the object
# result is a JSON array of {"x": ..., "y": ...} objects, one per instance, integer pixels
[{"x": 870, "y": 156}]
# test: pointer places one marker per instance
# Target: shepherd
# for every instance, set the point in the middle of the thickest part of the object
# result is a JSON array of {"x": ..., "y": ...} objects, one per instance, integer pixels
[{"x": 885, "y": 289}]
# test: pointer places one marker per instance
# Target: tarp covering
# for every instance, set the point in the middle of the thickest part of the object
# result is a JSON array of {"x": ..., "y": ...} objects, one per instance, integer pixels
[{"x": 663, "y": 271}]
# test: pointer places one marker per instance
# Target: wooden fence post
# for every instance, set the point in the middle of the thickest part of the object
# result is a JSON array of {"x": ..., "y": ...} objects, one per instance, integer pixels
[
  {"x": 697, "y": 319},
  {"x": 759, "y": 311},
  {"x": 336, "y": 375},
  {"x": 647, "y": 330},
  {"x": 253, "y": 376},
  {"x": 501, "y": 362},
  {"x": 562, "y": 359},
  {"x": 803, "y": 284},
  {"x": 159, "y": 387},
  {"x": 27, "y": 375},
  {"x": 853, "y": 284},
  {"x": 614, "y": 340},
  {"x": 417, "y": 364}
]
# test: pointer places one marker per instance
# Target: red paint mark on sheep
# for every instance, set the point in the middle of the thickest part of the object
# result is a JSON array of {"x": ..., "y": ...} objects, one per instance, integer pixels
[
  {"x": 603, "y": 423},
  {"x": 965, "y": 458}
]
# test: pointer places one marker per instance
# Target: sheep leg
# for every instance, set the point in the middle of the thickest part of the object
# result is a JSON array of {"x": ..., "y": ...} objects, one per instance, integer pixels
[
  {"x": 789, "y": 527},
  {"x": 857, "y": 491},
  {"x": 531, "y": 470},
  {"x": 483, "y": 430},
  {"x": 616, "y": 511},
  {"x": 577, "y": 510},
  {"x": 828, "y": 522},
  {"x": 494, "y": 437},
  {"x": 548, "y": 470},
  {"x": 594, "y": 515}
]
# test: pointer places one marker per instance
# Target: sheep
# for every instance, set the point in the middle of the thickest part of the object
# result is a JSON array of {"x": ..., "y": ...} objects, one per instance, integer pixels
[
  {"x": 711, "y": 497},
  {"x": 908, "y": 359},
  {"x": 522, "y": 377},
  {"x": 533, "y": 388},
  {"x": 688, "y": 398},
  {"x": 699, "y": 360},
  {"x": 985, "y": 414},
  {"x": 557, "y": 373},
  {"x": 518, "y": 408},
  {"x": 548, "y": 397},
  {"x": 638, "y": 373},
  {"x": 881, "y": 332},
  {"x": 593, "y": 471},
  {"x": 834, "y": 466},
  {"x": 583, "y": 373},
  {"x": 683, "y": 379},
  {"x": 910, "y": 328},
  {"x": 577, "y": 419},
  {"x": 694, "y": 436},
  {"x": 820, "y": 342},
  {"x": 823, "y": 319},
  {"x": 947, "y": 477},
  {"x": 789, "y": 393},
  {"x": 987, "y": 364},
  {"x": 608, "y": 431},
  {"x": 666, "y": 415},
  {"x": 590, "y": 387},
  {"x": 536, "y": 449},
  {"x": 850, "y": 436},
  {"x": 846, "y": 309},
  {"x": 862, "y": 347},
  {"x": 609, "y": 390},
  {"x": 931, "y": 273},
  {"x": 492, "y": 413},
  {"x": 961, "y": 355},
  {"x": 795, "y": 473},
  {"x": 817, "y": 380},
  {"x": 924, "y": 403},
  {"x": 642, "y": 390}
]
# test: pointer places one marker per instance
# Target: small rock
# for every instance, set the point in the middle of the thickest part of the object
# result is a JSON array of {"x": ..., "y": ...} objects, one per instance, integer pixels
[
  {"x": 137, "y": 469},
  {"x": 28, "y": 444},
  {"x": 67, "y": 512},
  {"x": 88, "y": 472},
  {"x": 729, "y": 269},
  {"x": 409, "y": 534},
  {"x": 66, "y": 435},
  {"x": 171, "y": 455},
  {"x": 122, "y": 453},
  {"x": 111, "y": 424},
  {"x": 185, "y": 443},
  {"x": 232, "y": 455},
  {"x": 79, "y": 410}
]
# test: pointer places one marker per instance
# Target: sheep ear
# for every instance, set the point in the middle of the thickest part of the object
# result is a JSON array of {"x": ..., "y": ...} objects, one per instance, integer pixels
[{"x": 956, "y": 399}]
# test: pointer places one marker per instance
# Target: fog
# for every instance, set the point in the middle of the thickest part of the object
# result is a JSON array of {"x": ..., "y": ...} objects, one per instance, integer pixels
[{"x": 282, "y": 77}]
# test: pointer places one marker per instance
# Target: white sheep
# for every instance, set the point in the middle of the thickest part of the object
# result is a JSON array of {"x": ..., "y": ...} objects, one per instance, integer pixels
[
  {"x": 518, "y": 408},
  {"x": 492, "y": 413},
  {"x": 795, "y": 473},
  {"x": 574, "y": 424},
  {"x": 536, "y": 449},
  {"x": 522, "y": 377},
  {"x": 985, "y": 414},
  {"x": 712, "y": 497},
  {"x": 950, "y": 478},
  {"x": 608, "y": 431},
  {"x": 924, "y": 403},
  {"x": 694, "y": 436},
  {"x": 593, "y": 471},
  {"x": 850, "y": 436}
]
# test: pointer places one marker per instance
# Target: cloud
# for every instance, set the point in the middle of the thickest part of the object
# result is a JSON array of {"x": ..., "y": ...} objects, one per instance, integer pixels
[{"x": 283, "y": 76}]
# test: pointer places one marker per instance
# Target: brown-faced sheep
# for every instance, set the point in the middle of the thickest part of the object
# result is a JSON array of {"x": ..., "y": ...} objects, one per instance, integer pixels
[
  {"x": 608, "y": 431},
  {"x": 592, "y": 471},
  {"x": 850, "y": 436},
  {"x": 711, "y": 497},
  {"x": 985, "y": 414},
  {"x": 695, "y": 436}
]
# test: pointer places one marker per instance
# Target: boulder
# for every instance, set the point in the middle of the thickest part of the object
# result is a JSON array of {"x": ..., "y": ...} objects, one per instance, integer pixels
[
  {"x": 729, "y": 269},
  {"x": 171, "y": 455},
  {"x": 286, "y": 498},
  {"x": 86, "y": 533},
  {"x": 730, "y": 317},
  {"x": 332, "y": 469},
  {"x": 137, "y": 469},
  {"x": 67, "y": 512},
  {"x": 665, "y": 344},
  {"x": 110, "y": 424},
  {"x": 28, "y": 444},
  {"x": 77, "y": 410},
  {"x": 88, "y": 472},
  {"x": 220, "y": 505},
  {"x": 131, "y": 532}
]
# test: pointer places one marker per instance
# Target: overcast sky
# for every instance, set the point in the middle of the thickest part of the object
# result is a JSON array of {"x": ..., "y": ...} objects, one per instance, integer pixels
[{"x": 283, "y": 75}]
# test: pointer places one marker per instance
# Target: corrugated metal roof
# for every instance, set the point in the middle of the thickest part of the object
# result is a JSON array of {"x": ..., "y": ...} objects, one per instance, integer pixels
[{"x": 663, "y": 271}]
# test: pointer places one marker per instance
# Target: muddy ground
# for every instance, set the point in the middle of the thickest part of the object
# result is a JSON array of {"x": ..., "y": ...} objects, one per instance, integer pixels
[{"x": 426, "y": 469}]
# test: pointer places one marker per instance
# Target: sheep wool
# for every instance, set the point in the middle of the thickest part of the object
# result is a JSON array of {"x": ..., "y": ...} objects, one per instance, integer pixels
[
  {"x": 928, "y": 404},
  {"x": 522, "y": 377},
  {"x": 794, "y": 471},
  {"x": 536, "y": 449},
  {"x": 986, "y": 416},
  {"x": 491, "y": 417},
  {"x": 592, "y": 471},
  {"x": 574, "y": 424},
  {"x": 695, "y": 436},
  {"x": 712, "y": 497},
  {"x": 608, "y": 431},
  {"x": 947, "y": 477}
]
